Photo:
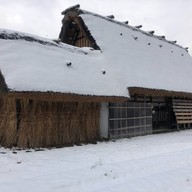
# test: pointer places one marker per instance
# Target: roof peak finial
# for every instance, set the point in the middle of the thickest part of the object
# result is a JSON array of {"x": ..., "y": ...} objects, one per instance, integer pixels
[{"x": 72, "y": 8}]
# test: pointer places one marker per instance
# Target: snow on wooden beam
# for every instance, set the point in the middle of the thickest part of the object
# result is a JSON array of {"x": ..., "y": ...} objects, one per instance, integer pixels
[
  {"x": 161, "y": 37},
  {"x": 126, "y": 22},
  {"x": 173, "y": 42},
  {"x": 151, "y": 32},
  {"x": 138, "y": 26},
  {"x": 186, "y": 48},
  {"x": 72, "y": 8},
  {"x": 111, "y": 16}
]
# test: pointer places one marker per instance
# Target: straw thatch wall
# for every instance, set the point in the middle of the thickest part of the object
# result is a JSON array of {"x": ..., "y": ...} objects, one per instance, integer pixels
[{"x": 30, "y": 123}]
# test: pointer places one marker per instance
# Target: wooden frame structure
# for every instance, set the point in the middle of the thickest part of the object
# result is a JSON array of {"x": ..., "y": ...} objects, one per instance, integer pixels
[{"x": 130, "y": 119}]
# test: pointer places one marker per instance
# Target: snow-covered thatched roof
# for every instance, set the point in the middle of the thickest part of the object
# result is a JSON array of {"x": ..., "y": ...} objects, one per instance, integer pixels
[{"x": 129, "y": 57}]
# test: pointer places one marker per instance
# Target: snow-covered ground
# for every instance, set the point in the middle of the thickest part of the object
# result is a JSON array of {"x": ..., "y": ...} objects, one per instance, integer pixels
[{"x": 143, "y": 164}]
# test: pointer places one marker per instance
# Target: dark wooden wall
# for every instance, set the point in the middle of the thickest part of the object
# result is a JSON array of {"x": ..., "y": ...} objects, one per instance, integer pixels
[{"x": 75, "y": 32}]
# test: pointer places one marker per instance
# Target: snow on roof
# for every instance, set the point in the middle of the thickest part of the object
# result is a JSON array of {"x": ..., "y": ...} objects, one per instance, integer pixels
[
  {"x": 33, "y": 66},
  {"x": 128, "y": 58},
  {"x": 138, "y": 58}
]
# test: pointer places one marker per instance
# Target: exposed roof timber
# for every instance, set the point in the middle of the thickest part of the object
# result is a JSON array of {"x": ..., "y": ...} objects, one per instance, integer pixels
[
  {"x": 186, "y": 48},
  {"x": 138, "y": 26},
  {"x": 73, "y": 8},
  {"x": 161, "y": 37},
  {"x": 125, "y": 22},
  {"x": 111, "y": 16},
  {"x": 151, "y": 32},
  {"x": 172, "y": 42}
]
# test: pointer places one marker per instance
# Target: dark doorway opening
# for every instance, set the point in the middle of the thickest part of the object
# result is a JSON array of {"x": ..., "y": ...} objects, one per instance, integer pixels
[{"x": 163, "y": 117}]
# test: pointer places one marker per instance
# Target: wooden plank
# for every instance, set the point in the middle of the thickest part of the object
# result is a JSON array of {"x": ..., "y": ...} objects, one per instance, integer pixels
[
  {"x": 182, "y": 107},
  {"x": 184, "y": 118},
  {"x": 182, "y": 104},
  {"x": 182, "y": 100},
  {"x": 184, "y": 121},
  {"x": 182, "y": 110},
  {"x": 183, "y": 114}
]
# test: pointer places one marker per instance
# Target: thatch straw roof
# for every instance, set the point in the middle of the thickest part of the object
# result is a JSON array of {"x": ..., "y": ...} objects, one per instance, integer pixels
[{"x": 129, "y": 57}]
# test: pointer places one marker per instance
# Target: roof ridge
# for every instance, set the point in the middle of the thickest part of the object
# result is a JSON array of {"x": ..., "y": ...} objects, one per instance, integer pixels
[
  {"x": 14, "y": 35},
  {"x": 162, "y": 38}
]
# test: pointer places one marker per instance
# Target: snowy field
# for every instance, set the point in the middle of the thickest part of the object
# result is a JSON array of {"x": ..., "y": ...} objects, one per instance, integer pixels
[{"x": 143, "y": 164}]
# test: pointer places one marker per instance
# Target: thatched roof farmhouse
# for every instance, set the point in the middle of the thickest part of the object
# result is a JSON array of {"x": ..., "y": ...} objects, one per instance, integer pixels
[{"x": 101, "y": 79}]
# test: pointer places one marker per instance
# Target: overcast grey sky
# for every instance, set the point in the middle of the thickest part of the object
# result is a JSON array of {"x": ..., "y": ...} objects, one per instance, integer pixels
[{"x": 171, "y": 18}]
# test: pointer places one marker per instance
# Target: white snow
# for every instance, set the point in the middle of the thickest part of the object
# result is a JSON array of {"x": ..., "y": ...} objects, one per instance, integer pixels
[
  {"x": 31, "y": 66},
  {"x": 160, "y": 163},
  {"x": 135, "y": 62}
]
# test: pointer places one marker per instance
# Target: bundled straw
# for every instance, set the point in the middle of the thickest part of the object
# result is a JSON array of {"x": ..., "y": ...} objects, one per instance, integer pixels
[{"x": 31, "y": 123}]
